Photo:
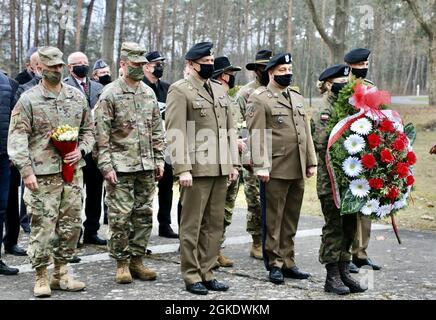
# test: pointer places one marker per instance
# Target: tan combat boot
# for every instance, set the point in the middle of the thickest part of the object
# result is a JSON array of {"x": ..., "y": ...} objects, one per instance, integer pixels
[
  {"x": 138, "y": 270},
  {"x": 223, "y": 261},
  {"x": 123, "y": 274},
  {"x": 41, "y": 289},
  {"x": 61, "y": 280},
  {"x": 256, "y": 248}
]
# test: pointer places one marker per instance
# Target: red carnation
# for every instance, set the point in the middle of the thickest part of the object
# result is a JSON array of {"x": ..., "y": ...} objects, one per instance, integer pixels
[
  {"x": 386, "y": 156},
  {"x": 402, "y": 170},
  {"x": 411, "y": 158},
  {"x": 393, "y": 193},
  {"x": 387, "y": 126},
  {"x": 376, "y": 183},
  {"x": 374, "y": 140},
  {"x": 402, "y": 136},
  {"x": 399, "y": 144},
  {"x": 410, "y": 181},
  {"x": 368, "y": 161}
]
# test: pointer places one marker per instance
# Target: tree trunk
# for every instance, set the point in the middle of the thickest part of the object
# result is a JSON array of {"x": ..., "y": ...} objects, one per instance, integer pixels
[
  {"x": 12, "y": 11},
  {"x": 37, "y": 15},
  {"x": 161, "y": 31},
  {"x": 78, "y": 24},
  {"x": 29, "y": 24},
  {"x": 20, "y": 33},
  {"x": 121, "y": 33},
  {"x": 289, "y": 31},
  {"x": 110, "y": 20},
  {"x": 85, "y": 32},
  {"x": 47, "y": 23},
  {"x": 173, "y": 42},
  {"x": 432, "y": 74}
]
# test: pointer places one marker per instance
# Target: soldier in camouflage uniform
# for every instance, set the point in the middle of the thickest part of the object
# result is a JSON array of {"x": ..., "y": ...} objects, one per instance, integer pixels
[
  {"x": 54, "y": 206},
  {"x": 251, "y": 184},
  {"x": 130, "y": 145},
  {"x": 357, "y": 60},
  {"x": 338, "y": 231},
  {"x": 225, "y": 74}
]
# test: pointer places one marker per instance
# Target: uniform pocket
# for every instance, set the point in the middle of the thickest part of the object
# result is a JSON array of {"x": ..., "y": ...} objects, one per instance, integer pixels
[{"x": 280, "y": 118}]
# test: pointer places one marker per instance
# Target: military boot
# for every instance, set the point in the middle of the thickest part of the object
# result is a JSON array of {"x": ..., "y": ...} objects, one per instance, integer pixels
[
  {"x": 333, "y": 282},
  {"x": 61, "y": 280},
  {"x": 223, "y": 261},
  {"x": 123, "y": 272},
  {"x": 348, "y": 280},
  {"x": 256, "y": 248},
  {"x": 138, "y": 270},
  {"x": 41, "y": 289}
]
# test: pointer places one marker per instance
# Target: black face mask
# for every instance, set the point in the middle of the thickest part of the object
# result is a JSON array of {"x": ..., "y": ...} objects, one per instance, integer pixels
[
  {"x": 263, "y": 77},
  {"x": 104, "y": 80},
  {"x": 81, "y": 71},
  {"x": 231, "y": 82},
  {"x": 283, "y": 80},
  {"x": 336, "y": 87},
  {"x": 158, "y": 71},
  {"x": 206, "y": 70},
  {"x": 359, "y": 73}
]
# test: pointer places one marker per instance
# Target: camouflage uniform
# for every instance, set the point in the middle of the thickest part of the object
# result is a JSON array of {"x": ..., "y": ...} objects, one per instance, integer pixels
[
  {"x": 251, "y": 184},
  {"x": 232, "y": 186},
  {"x": 338, "y": 231},
  {"x": 130, "y": 141},
  {"x": 55, "y": 207}
]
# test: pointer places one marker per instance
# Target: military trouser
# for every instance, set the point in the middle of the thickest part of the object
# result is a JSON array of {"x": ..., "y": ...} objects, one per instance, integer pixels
[
  {"x": 231, "y": 195},
  {"x": 254, "y": 213},
  {"x": 130, "y": 213},
  {"x": 201, "y": 227},
  {"x": 338, "y": 233},
  {"x": 363, "y": 234},
  {"x": 283, "y": 204},
  {"x": 55, "y": 210}
]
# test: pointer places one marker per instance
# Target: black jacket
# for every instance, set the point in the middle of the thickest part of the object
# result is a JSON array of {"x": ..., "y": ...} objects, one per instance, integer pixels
[
  {"x": 23, "y": 77},
  {"x": 8, "y": 87},
  {"x": 160, "y": 88}
]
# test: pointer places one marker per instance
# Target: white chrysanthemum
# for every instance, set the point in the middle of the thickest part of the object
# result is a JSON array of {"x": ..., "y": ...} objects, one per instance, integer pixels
[
  {"x": 70, "y": 135},
  {"x": 398, "y": 126},
  {"x": 402, "y": 202},
  {"x": 352, "y": 167},
  {"x": 359, "y": 188},
  {"x": 354, "y": 144},
  {"x": 383, "y": 211},
  {"x": 362, "y": 126},
  {"x": 370, "y": 207}
]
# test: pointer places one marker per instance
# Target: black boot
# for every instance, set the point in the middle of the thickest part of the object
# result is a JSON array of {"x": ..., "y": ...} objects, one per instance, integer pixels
[
  {"x": 166, "y": 231},
  {"x": 333, "y": 282},
  {"x": 7, "y": 271},
  {"x": 348, "y": 280}
]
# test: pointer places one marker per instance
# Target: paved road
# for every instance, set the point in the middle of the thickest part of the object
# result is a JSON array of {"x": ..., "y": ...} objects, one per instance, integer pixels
[{"x": 408, "y": 269}]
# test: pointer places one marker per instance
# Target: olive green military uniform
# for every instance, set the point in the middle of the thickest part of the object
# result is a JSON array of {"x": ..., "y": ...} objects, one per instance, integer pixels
[
  {"x": 55, "y": 207},
  {"x": 191, "y": 110},
  {"x": 338, "y": 231},
  {"x": 251, "y": 184},
  {"x": 292, "y": 153},
  {"x": 130, "y": 140}
]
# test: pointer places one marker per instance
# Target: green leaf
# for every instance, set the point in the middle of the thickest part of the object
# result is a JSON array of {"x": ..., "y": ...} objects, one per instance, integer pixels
[
  {"x": 410, "y": 132},
  {"x": 351, "y": 204}
]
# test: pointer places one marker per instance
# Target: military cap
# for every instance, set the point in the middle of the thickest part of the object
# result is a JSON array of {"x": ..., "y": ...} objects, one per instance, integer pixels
[
  {"x": 262, "y": 58},
  {"x": 99, "y": 64},
  {"x": 336, "y": 71},
  {"x": 199, "y": 50},
  {"x": 50, "y": 56},
  {"x": 133, "y": 52},
  {"x": 357, "y": 55},
  {"x": 154, "y": 56},
  {"x": 222, "y": 64},
  {"x": 280, "y": 58}
]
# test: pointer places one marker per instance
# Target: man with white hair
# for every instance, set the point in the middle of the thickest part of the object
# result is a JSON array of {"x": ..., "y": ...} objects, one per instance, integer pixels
[{"x": 78, "y": 66}]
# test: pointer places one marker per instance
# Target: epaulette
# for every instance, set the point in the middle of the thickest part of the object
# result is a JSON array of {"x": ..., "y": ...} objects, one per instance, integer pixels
[
  {"x": 260, "y": 90},
  {"x": 216, "y": 81},
  {"x": 295, "y": 89}
]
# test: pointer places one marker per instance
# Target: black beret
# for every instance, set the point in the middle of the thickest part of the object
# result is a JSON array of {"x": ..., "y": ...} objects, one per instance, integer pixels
[
  {"x": 199, "y": 50},
  {"x": 280, "y": 58},
  {"x": 357, "y": 55},
  {"x": 222, "y": 64},
  {"x": 262, "y": 58},
  {"x": 154, "y": 56},
  {"x": 336, "y": 71}
]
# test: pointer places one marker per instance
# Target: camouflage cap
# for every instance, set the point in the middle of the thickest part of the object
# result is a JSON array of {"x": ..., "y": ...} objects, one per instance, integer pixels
[
  {"x": 133, "y": 52},
  {"x": 50, "y": 56}
]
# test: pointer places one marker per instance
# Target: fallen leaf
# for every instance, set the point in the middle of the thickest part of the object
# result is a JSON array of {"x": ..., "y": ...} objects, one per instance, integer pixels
[
  {"x": 430, "y": 205},
  {"x": 380, "y": 238},
  {"x": 425, "y": 217}
]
